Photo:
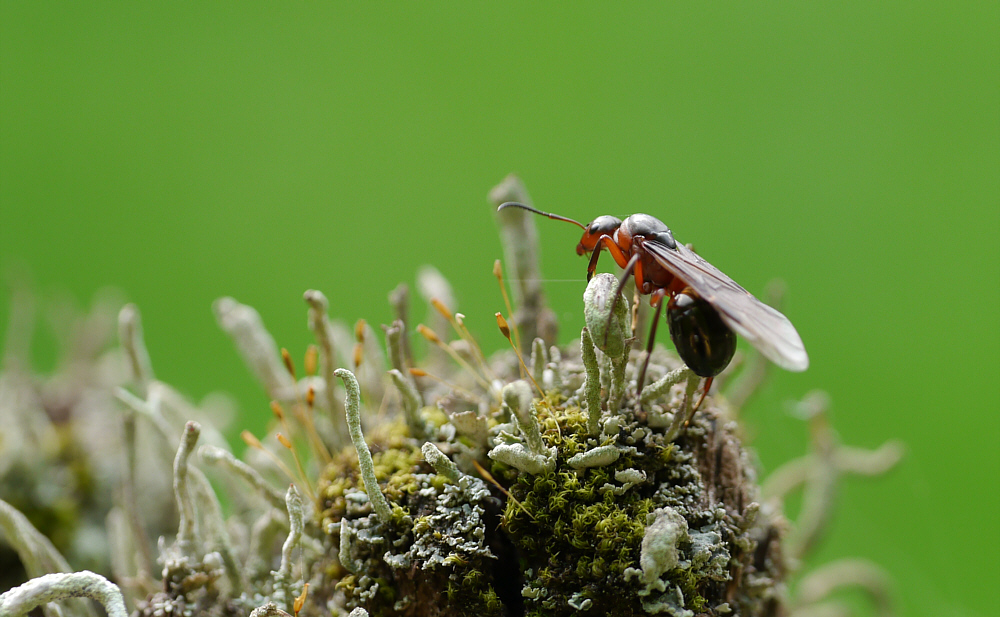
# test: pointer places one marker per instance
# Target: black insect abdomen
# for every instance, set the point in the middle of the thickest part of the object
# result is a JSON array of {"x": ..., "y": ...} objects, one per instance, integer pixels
[{"x": 703, "y": 341}]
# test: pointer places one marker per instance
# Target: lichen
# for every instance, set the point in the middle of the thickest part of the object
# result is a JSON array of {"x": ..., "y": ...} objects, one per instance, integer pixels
[{"x": 471, "y": 485}]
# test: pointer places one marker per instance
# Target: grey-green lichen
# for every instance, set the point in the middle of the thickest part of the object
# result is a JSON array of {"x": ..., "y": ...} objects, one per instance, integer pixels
[
  {"x": 471, "y": 486},
  {"x": 21, "y": 600}
]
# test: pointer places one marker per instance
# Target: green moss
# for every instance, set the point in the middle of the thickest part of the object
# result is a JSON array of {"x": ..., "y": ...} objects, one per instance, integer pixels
[
  {"x": 574, "y": 535},
  {"x": 579, "y": 530},
  {"x": 424, "y": 535},
  {"x": 396, "y": 458}
]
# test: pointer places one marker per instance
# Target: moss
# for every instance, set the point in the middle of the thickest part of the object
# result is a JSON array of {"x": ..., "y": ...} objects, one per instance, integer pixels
[
  {"x": 575, "y": 537},
  {"x": 580, "y": 531},
  {"x": 396, "y": 459},
  {"x": 433, "y": 536}
]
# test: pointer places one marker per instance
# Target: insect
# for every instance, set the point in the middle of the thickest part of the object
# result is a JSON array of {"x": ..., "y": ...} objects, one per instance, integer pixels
[{"x": 705, "y": 308}]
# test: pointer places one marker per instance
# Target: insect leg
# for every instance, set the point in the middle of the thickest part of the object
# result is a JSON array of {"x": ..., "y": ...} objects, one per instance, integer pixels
[
  {"x": 616, "y": 252},
  {"x": 592, "y": 265},
  {"x": 632, "y": 264},
  {"x": 704, "y": 393},
  {"x": 657, "y": 301}
]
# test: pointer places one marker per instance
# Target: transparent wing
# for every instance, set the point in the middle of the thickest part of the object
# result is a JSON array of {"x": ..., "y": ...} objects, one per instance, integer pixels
[{"x": 764, "y": 327}]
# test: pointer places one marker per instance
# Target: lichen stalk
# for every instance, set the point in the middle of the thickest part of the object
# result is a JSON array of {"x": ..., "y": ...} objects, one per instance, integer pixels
[
  {"x": 394, "y": 346},
  {"x": 520, "y": 246},
  {"x": 411, "y": 404},
  {"x": 283, "y": 577},
  {"x": 661, "y": 386},
  {"x": 269, "y": 610},
  {"x": 132, "y": 343},
  {"x": 443, "y": 465},
  {"x": 136, "y": 535},
  {"x": 554, "y": 369},
  {"x": 215, "y": 454},
  {"x": 517, "y": 396},
  {"x": 399, "y": 298},
  {"x": 263, "y": 534},
  {"x": 353, "y": 406},
  {"x": 186, "y": 530},
  {"x": 21, "y": 600},
  {"x": 214, "y": 527},
  {"x": 244, "y": 325},
  {"x": 346, "y": 535},
  {"x": 35, "y": 551},
  {"x": 149, "y": 409},
  {"x": 319, "y": 323},
  {"x": 861, "y": 574},
  {"x": 538, "y": 360},
  {"x": 683, "y": 413},
  {"x": 609, "y": 321},
  {"x": 592, "y": 385}
]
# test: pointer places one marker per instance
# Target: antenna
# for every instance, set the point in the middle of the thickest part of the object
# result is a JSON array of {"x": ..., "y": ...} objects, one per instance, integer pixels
[{"x": 514, "y": 204}]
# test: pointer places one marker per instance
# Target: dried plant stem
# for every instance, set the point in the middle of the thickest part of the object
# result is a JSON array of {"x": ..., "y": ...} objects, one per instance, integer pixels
[
  {"x": 465, "y": 335},
  {"x": 418, "y": 372},
  {"x": 498, "y": 273},
  {"x": 434, "y": 339}
]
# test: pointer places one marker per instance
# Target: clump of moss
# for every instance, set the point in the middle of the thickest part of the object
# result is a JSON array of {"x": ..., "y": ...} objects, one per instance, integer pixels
[
  {"x": 434, "y": 550},
  {"x": 397, "y": 459},
  {"x": 581, "y": 529}
]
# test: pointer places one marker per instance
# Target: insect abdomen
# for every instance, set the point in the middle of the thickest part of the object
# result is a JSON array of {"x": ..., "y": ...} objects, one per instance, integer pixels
[{"x": 703, "y": 341}]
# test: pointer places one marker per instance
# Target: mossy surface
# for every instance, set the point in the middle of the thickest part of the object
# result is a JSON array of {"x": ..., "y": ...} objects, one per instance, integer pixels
[
  {"x": 575, "y": 534},
  {"x": 433, "y": 557},
  {"x": 580, "y": 531}
]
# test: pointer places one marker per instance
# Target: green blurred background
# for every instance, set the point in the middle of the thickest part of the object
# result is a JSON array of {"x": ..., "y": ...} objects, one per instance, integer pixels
[{"x": 184, "y": 152}]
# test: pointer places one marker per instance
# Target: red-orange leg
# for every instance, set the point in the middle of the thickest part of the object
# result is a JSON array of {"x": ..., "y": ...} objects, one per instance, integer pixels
[
  {"x": 616, "y": 253},
  {"x": 704, "y": 393},
  {"x": 633, "y": 264},
  {"x": 655, "y": 300}
]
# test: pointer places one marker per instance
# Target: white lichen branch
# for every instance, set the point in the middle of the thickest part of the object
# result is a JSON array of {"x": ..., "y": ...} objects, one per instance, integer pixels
[
  {"x": 353, "y": 405},
  {"x": 283, "y": 577},
  {"x": 186, "y": 531},
  {"x": 19, "y": 601}
]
